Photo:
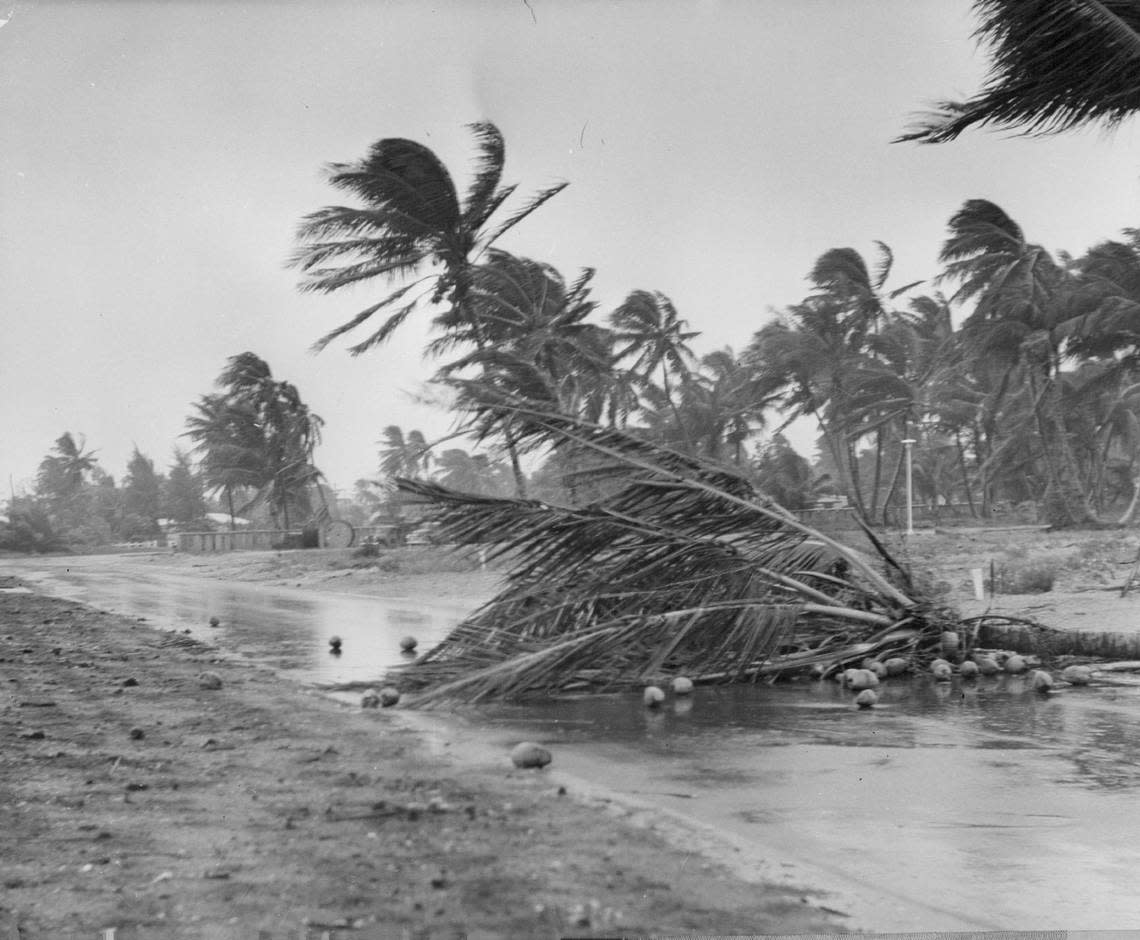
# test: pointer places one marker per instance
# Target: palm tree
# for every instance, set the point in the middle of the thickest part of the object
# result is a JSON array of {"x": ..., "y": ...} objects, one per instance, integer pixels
[
  {"x": 718, "y": 406},
  {"x": 808, "y": 363},
  {"x": 258, "y": 433},
  {"x": 1057, "y": 65},
  {"x": 63, "y": 472},
  {"x": 654, "y": 336},
  {"x": 227, "y": 441},
  {"x": 412, "y": 219},
  {"x": 534, "y": 335},
  {"x": 1024, "y": 319},
  {"x": 412, "y": 225},
  {"x": 842, "y": 275},
  {"x": 472, "y": 473},
  {"x": 404, "y": 455}
]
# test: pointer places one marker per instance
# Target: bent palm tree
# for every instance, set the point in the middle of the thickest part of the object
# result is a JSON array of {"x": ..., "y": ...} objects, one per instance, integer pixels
[
  {"x": 411, "y": 219},
  {"x": 1057, "y": 65},
  {"x": 685, "y": 568}
]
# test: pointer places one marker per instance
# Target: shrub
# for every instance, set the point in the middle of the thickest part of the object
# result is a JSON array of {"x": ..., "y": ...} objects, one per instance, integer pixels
[{"x": 1036, "y": 577}]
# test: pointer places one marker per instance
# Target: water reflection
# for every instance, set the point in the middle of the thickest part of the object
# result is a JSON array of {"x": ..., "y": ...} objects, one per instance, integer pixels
[
  {"x": 941, "y": 785},
  {"x": 289, "y": 630}
]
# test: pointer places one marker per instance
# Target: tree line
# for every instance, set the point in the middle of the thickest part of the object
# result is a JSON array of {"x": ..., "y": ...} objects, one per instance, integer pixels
[
  {"x": 250, "y": 453},
  {"x": 1013, "y": 370}
]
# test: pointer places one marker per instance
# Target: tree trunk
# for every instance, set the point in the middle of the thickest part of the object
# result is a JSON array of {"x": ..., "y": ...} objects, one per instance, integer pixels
[
  {"x": 516, "y": 466},
  {"x": 894, "y": 484},
  {"x": 1127, "y": 517},
  {"x": 856, "y": 484},
  {"x": 965, "y": 472},
  {"x": 676, "y": 413},
  {"x": 1066, "y": 503}
]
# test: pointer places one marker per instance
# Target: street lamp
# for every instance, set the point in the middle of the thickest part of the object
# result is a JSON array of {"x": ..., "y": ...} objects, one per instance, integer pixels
[{"x": 909, "y": 488}]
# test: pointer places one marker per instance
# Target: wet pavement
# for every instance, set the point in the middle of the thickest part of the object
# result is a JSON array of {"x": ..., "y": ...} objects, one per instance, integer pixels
[{"x": 950, "y": 806}]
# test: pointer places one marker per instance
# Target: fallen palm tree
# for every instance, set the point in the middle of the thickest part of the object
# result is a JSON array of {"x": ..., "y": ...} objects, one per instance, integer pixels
[{"x": 684, "y": 568}]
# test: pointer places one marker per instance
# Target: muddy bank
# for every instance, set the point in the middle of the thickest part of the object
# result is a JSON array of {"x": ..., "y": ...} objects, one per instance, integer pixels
[{"x": 133, "y": 797}]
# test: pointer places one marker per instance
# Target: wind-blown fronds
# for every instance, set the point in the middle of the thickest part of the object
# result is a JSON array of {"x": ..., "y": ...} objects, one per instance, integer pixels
[
  {"x": 683, "y": 568},
  {"x": 1057, "y": 65}
]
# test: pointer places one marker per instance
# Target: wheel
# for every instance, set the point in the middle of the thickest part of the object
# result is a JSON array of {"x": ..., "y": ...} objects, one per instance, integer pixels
[{"x": 339, "y": 534}]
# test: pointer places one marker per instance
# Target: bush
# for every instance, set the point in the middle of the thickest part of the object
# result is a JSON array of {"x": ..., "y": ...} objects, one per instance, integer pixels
[
  {"x": 1036, "y": 577},
  {"x": 29, "y": 530}
]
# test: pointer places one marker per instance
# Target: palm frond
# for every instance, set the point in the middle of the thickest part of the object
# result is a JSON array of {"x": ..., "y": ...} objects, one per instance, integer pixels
[
  {"x": 1056, "y": 65},
  {"x": 361, "y": 317},
  {"x": 683, "y": 567},
  {"x": 534, "y": 203},
  {"x": 481, "y": 201}
]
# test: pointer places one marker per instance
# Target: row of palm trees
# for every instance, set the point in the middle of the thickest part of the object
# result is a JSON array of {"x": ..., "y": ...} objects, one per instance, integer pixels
[{"x": 1019, "y": 383}]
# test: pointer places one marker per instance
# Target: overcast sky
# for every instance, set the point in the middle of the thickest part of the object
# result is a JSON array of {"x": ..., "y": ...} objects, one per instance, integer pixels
[{"x": 156, "y": 157}]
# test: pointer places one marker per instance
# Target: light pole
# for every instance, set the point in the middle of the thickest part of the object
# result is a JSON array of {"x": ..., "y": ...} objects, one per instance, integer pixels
[{"x": 909, "y": 488}]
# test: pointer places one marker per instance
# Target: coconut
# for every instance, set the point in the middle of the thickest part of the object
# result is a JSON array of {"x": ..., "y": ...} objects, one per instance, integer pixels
[
  {"x": 939, "y": 662},
  {"x": 942, "y": 672},
  {"x": 682, "y": 685},
  {"x": 863, "y": 679},
  {"x": 988, "y": 666},
  {"x": 370, "y": 699},
  {"x": 968, "y": 670},
  {"x": 879, "y": 669},
  {"x": 849, "y": 676},
  {"x": 867, "y": 698},
  {"x": 896, "y": 666},
  {"x": 949, "y": 642},
  {"x": 1015, "y": 664},
  {"x": 1077, "y": 675},
  {"x": 652, "y": 696},
  {"x": 1042, "y": 681},
  {"x": 529, "y": 754},
  {"x": 408, "y": 643},
  {"x": 209, "y": 680},
  {"x": 215, "y": 622},
  {"x": 389, "y": 697}
]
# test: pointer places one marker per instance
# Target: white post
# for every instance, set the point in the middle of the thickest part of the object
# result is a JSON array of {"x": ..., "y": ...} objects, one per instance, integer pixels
[{"x": 909, "y": 489}]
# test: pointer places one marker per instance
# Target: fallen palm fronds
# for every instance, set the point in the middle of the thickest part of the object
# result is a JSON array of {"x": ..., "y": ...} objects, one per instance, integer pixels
[{"x": 684, "y": 568}]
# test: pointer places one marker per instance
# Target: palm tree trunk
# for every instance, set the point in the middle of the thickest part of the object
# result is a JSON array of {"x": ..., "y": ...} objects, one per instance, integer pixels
[
  {"x": 856, "y": 482},
  {"x": 894, "y": 484},
  {"x": 1066, "y": 503},
  {"x": 676, "y": 413},
  {"x": 965, "y": 472},
  {"x": 516, "y": 467}
]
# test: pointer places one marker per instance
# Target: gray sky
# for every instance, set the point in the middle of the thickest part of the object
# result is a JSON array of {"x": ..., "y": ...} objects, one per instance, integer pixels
[{"x": 155, "y": 159}]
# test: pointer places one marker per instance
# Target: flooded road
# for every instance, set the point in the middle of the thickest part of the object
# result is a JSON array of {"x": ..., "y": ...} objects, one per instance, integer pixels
[
  {"x": 288, "y": 629},
  {"x": 948, "y": 807}
]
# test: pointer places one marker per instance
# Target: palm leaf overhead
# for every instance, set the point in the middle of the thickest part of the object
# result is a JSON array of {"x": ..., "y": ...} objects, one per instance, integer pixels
[
  {"x": 684, "y": 567},
  {"x": 1056, "y": 65}
]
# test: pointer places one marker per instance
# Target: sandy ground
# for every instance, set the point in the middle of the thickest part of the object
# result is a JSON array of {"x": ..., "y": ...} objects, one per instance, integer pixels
[
  {"x": 1090, "y": 568},
  {"x": 134, "y": 798}
]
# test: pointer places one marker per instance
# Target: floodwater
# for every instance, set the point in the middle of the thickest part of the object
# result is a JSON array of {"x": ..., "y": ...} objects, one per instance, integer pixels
[{"x": 947, "y": 807}]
